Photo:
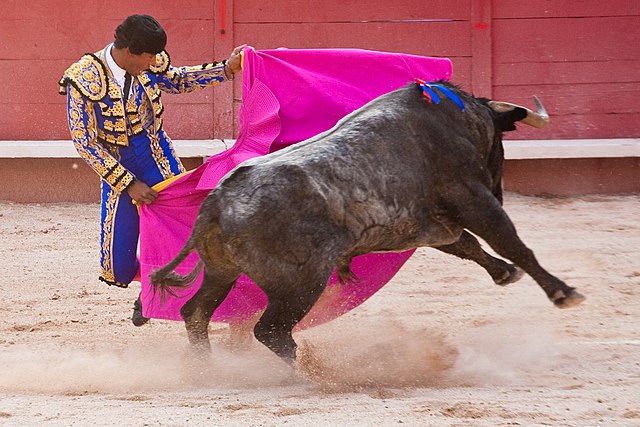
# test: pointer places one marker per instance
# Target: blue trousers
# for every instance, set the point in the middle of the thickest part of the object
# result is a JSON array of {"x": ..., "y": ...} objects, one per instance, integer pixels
[{"x": 151, "y": 161}]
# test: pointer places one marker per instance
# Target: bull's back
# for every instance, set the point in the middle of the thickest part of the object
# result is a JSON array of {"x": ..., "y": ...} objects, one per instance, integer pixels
[{"x": 382, "y": 166}]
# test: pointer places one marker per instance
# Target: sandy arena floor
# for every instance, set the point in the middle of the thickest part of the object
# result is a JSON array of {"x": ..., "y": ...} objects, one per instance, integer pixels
[{"x": 440, "y": 345}]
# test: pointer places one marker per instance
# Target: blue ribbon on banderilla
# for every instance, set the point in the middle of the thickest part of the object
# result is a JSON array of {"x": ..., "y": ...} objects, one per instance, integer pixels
[{"x": 431, "y": 95}]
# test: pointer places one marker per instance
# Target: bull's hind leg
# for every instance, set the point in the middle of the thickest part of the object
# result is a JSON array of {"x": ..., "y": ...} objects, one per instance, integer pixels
[
  {"x": 468, "y": 247},
  {"x": 289, "y": 301},
  {"x": 198, "y": 310},
  {"x": 482, "y": 214}
]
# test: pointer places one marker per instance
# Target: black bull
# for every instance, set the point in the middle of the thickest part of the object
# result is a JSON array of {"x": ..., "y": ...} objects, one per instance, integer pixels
[{"x": 399, "y": 173}]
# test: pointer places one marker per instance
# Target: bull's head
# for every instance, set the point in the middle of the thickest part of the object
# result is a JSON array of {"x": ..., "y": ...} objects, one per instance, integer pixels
[
  {"x": 537, "y": 119},
  {"x": 506, "y": 116}
]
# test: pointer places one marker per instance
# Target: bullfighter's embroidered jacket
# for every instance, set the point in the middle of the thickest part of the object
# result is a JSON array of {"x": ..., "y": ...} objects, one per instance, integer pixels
[{"x": 100, "y": 120}]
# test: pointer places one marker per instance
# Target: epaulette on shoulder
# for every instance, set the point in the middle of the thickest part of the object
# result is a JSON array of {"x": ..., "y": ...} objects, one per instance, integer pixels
[
  {"x": 163, "y": 61},
  {"x": 88, "y": 76}
]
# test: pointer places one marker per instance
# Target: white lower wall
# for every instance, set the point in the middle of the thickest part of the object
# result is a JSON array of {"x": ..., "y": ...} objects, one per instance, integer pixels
[{"x": 514, "y": 149}]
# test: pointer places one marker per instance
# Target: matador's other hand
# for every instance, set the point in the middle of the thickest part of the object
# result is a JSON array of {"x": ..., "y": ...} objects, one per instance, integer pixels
[
  {"x": 141, "y": 193},
  {"x": 234, "y": 64}
]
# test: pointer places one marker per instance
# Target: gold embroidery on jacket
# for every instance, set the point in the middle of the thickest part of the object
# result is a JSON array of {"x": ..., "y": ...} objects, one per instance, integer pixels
[
  {"x": 111, "y": 205},
  {"x": 181, "y": 167},
  {"x": 82, "y": 134},
  {"x": 85, "y": 135},
  {"x": 117, "y": 125},
  {"x": 158, "y": 155},
  {"x": 145, "y": 113},
  {"x": 115, "y": 110},
  {"x": 120, "y": 140},
  {"x": 97, "y": 102},
  {"x": 114, "y": 92},
  {"x": 163, "y": 61},
  {"x": 87, "y": 76},
  {"x": 189, "y": 79}
]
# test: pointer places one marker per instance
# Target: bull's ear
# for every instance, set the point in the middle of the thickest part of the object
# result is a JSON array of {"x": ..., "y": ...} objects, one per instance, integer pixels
[{"x": 505, "y": 121}]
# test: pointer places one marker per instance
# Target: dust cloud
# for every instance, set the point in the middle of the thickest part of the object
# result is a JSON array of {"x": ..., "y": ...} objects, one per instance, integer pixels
[
  {"x": 504, "y": 354},
  {"x": 360, "y": 357},
  {"x": 169, "y": 366},
  {"x": 393, "y": 356}
]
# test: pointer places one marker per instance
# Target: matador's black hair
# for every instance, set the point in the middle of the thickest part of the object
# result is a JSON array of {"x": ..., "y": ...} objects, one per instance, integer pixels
[{"x": 141, "y": 34}]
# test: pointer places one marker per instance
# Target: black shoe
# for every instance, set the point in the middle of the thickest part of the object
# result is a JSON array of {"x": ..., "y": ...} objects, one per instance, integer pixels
[{"x": 137, "y": 318}]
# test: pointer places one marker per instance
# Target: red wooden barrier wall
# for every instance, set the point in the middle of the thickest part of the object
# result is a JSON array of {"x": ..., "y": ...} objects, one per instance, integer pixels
[{"x": 580, "y": 57}]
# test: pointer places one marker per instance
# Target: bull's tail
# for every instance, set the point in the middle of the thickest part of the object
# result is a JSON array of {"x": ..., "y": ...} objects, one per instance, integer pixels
[{"x": 165, "y": 278}]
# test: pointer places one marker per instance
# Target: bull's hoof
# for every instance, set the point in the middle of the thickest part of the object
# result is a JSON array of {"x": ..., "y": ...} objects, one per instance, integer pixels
[
  {"x": 137, "y": 318},
  {"x": 510, "y": 276},
  {"x": 566, "y": 301}
]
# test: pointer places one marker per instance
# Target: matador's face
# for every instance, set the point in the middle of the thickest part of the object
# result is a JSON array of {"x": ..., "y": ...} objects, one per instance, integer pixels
[{"x": 139, "y": 63}]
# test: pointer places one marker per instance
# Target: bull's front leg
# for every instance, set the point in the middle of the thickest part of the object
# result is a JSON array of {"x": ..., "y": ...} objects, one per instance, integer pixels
[
  {"x": 468, "y": 247},
  {"x": 481, "y": 213}
]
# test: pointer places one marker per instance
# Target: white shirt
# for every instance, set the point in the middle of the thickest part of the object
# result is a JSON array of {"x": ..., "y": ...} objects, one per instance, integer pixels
[{"x": 118, "y": 73}]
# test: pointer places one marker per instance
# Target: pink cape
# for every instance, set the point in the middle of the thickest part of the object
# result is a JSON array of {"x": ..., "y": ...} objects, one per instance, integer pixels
[{"x": 288, "y": 96}]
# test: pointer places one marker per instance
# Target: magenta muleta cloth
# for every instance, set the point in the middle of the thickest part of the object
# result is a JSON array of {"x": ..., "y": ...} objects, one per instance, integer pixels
[{"x": 288, "y": 95}]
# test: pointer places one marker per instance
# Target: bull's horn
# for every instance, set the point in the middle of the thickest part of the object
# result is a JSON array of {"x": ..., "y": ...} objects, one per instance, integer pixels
[{"x": 535, "y": 119}]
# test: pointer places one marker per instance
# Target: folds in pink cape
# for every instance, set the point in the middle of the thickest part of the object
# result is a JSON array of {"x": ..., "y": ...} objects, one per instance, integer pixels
[{"x": 287, "y": 97}]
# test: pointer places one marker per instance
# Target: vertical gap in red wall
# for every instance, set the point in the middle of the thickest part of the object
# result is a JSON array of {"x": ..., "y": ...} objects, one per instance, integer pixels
[
  {"x": 223, "y": 17},
  {"x": 223, "y": 44},
  {"x": 481, "y": 47}
]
